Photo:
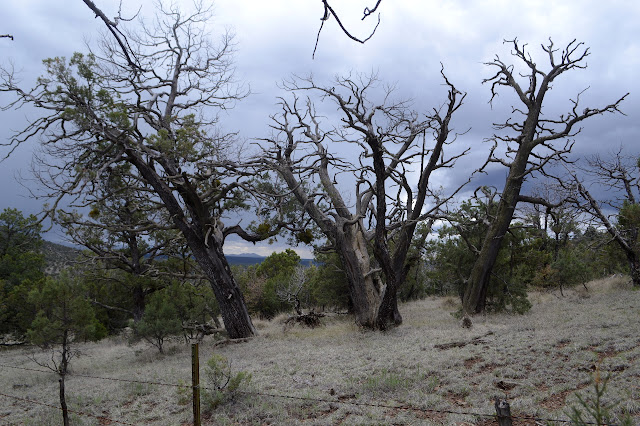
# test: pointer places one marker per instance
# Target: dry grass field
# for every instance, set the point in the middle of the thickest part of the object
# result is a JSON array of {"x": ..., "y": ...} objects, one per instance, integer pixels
[{"x": 539, "y": 361}]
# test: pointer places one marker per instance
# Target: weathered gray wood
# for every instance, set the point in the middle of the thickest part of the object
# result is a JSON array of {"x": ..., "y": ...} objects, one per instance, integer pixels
[{"x": 503, "y": 412}]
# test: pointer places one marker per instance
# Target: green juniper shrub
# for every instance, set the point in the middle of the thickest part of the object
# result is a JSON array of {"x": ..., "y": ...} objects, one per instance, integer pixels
[
  {"x": 221, "y": 383},
  {"x": 160, "y": 320}
]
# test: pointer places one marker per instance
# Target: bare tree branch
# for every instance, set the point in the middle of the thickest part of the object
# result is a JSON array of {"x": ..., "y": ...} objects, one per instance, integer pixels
[
  {"x": 329, "y": 11},
  {"x": 112, "y": 26}
]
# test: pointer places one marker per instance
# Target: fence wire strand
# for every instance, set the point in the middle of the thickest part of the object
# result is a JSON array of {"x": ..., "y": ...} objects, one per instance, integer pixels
[
  {"x": 406, "y": 407},
  {"x": 80, "y": 413},
  {"x": 96, "y": 377}
]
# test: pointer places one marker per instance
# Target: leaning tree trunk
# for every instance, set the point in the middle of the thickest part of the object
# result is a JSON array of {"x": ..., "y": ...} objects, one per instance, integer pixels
[
  {"x": 233, "y": 308},
  {"x": 206, "y": 250},
  {"x": 475, "y": 295}
]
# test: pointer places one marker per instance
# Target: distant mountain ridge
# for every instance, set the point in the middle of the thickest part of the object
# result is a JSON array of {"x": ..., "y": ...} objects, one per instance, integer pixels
[
  {"x": 249, "y": 259},
  {"x": 246, "y": 255},
  {"x": 58, "y": 256}
]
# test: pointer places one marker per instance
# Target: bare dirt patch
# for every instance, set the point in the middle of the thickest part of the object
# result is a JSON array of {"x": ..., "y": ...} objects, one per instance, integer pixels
[{"x": 470, "y": 362}]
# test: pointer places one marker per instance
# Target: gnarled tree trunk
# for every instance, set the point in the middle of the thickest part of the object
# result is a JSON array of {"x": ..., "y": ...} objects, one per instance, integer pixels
[{"x": 374, "y": 306}]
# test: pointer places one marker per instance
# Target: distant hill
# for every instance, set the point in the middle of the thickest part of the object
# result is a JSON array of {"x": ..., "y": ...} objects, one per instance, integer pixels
[
  {"x": 246, "y": 255},
  {"x": 248, "y": 259},
  {"x": 58, "y": 256}
]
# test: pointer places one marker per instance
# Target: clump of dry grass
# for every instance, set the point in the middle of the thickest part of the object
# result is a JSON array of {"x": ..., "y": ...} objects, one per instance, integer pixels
[{"x": 538, "y": 360}]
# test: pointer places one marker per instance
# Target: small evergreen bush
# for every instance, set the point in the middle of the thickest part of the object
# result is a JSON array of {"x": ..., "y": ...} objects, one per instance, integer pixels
[{"x": 222, "y": 385}]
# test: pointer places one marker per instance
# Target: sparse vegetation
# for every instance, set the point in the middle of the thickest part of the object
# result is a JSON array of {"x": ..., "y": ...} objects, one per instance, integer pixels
[
  {"x": 540, "y": 360},
  {"x": 593, "y": 409},
  {"x": 139, "y": 168}
]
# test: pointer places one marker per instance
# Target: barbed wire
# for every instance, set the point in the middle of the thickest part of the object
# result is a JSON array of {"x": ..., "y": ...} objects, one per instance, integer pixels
[
  {"x": 366, "y": 404},
  {"x": 406, "y": 407},
  {"x": 410, "y": 408},
  {"x": 97, "y": 377},
  {"x": 80, "y": 413}
]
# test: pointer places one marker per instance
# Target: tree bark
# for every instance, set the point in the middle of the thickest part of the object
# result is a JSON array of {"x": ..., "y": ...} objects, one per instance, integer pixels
[
  {"x": 634, "y": 266},
  {"x": 475, "y": 295},
  {"x": 233, "y": 308},
  {"x": 365, "y": 286},
  {"x": 207, "y": 251}
]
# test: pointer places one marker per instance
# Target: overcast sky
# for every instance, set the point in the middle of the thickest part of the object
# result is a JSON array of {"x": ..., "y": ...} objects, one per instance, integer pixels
[{"x": 276, "y": 38}]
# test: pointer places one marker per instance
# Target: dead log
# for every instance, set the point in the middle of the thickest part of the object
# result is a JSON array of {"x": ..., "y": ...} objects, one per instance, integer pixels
[
  {"x": 461, "y": 344},
  {"x": 311, "y": 320}
]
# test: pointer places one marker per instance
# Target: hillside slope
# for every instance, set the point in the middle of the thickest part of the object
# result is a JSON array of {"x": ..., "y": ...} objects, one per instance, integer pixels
[{"x": 338, "y": 374}]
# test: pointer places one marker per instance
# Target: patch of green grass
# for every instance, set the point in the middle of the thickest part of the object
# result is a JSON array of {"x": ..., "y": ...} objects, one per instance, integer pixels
[
  {"x": 386, "y": 381},
  {"x": 137, "y": 390},
  {"x": 184, "y": 393}
]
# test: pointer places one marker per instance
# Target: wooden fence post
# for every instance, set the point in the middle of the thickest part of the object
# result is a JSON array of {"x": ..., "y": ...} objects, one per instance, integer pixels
[
  {"x": 195, "y": 383},
  {"x": 503, "y": 412}
]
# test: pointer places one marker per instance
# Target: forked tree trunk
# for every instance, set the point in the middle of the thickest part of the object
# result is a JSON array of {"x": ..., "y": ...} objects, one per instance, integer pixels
[{"x": 374, "y": 306}]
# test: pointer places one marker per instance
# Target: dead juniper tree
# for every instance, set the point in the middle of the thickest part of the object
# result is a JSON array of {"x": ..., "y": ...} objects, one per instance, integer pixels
[
  {"x": 291, "y": 291},
  {"x": 294, "y": 292},
  {"x": 619, "y": 175},
  {"x": 393, "y": 147},
  {"x": 149, "y": 100},
  {"x": 533, "y": 141}
]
